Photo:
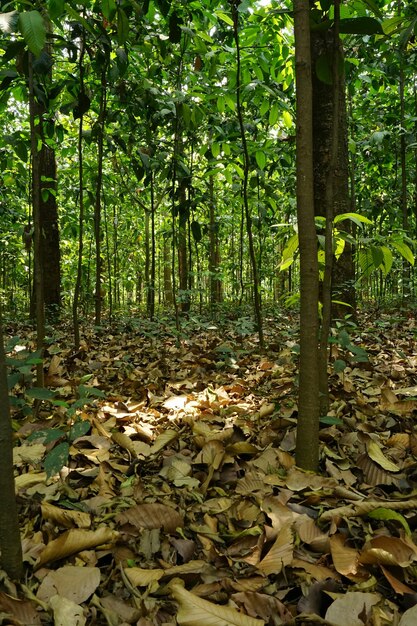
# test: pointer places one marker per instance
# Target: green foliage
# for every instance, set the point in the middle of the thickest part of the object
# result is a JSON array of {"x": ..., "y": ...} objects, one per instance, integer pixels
[
  {"x": 389, "y": 515},
  {"x": 32, "y": 27}
]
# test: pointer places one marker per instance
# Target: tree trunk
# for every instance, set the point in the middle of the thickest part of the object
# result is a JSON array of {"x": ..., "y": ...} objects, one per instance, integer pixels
[
  {"x": 343, "y": 275},
  {"x": 214, "y": 257},
  {"x": 307, "y": 442},
  {"x": 97, "y": 206},
  {"x": 10, "y": 543},
  {"x": 38, "y": 278},
  {"x": 167, "y": 271},
  {"x": 257, "y": 301}
]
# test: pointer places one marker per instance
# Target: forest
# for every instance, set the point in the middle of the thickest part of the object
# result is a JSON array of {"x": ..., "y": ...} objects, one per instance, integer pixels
[{"x": 208, "y": 363}]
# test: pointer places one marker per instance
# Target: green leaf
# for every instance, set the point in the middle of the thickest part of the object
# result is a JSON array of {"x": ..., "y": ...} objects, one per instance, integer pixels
[
  {"x": 404, "y": 250},
  {"x": 287, "y": 119},
  {"x": 388, "y": 514},
  {"x": 220, "y": 104},
  {"x": 387, "y": 261},
  {"x": 224, "y": 17},
  {"x": 353, "y": 217},
  {"x": 122, "y": 26},
  {"x": 331, "y": 420},
  {"x": 75, "y": 15},
  {"x": 215, "y": 149},
  {"x": 33, "y": 30},
  {"x": 361, "y": 26},
  {"x": 196, "y": 231},
  {"x": 339, "y": 365},
  {"x": 372, "y": 5},
  {"x": 366, "y": 261},
  {"x": 56, "y": 459},
  {"x": 39, "y": 393},
  {"x": 108, "y": 8},
  {"x": 80, "y": 428},
  {"x": 273, "y": 115},
  {"x": 260, "y": 159},
  {"x": 263, "y": 108},
  {"x": 21, "y": 150},
  {"x": 55, "y": 8},
  {"x": 48, "y": 435}
]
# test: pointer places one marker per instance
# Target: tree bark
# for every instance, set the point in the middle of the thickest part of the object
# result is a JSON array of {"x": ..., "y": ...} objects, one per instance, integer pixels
[
  {"x": 10, "y": 543},
  {"x": 307, "y": 441},
  {"x": 343, "y": 273}
]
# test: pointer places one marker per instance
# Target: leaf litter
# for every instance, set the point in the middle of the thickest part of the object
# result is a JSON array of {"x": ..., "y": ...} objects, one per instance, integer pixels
[{"x": 158, "y": 486}]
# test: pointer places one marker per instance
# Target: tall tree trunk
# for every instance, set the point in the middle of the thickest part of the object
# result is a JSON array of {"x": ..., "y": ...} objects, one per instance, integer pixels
[
  {"x": 38, "y": 279},
  {"x": 10, "y": 543},
  {"x": 78, "y": 281},
  {"x": 214, "y": 257},
  {"x": 182, "y": 248},
  {"x": 97, "y": 206},
  {"x": 307, "y": 441},
  {"x": 152, "y": 277},
  {"x": 343, "y": 275},
  {"x": 257, "y": 302},
  {"x": 167, "y": 271}
]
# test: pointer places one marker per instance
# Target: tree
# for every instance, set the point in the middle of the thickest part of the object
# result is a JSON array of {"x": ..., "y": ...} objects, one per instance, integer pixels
[
  {"x": 308, "y": 398},
  {"x": 10, "y": 544}
]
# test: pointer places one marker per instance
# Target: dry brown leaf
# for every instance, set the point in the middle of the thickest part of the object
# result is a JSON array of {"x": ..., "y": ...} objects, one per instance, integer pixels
[
  {"x": 378, "y": 456},
  {"x": 195, "y": 611},
  {"x": 397, "y": 585},
  {"x": 345, "y": 559},
  {"x": 66, "y": 613},
  {"x": 140, "y": 577},
  {"x": 153, "y": 515},
  {"x": 280, "y": 554},
  {"x": 353, "y": 609},
  {"x": 388, "y": 551},
  {"x": 74, "y": 583},
  {"x": 262, "y": 605},
  {"x": 76, "y": 540},
  {"x": 23, "y": 611},
  {"x": 65, "y": 517},
  {"x": 317, "y": 572},
  {"x": 297, "y": 480}
]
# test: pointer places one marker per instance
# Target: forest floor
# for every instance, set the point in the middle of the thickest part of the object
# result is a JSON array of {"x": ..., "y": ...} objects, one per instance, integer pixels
[{"x": 157, "y": 484}]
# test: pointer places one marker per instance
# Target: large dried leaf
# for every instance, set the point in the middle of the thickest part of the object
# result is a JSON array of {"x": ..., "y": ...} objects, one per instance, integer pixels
[
  {"x": 67, "y": 613},
  {"x": 74, "y": 583},
  {"x": 153, "y": 515},
  {"x": 345, "y": 559},
  {"x": 22, "y": 611},
  {"x": 378, "y": 456},
  {"x": 352, "y": 609},
  {"x": 194, "y": 611},
  {"x": 73, "y": 541},
  {"x": 388, "y": 551},
  {"x": 280, "y": 554},
  {"x": 65, "y": 517}
]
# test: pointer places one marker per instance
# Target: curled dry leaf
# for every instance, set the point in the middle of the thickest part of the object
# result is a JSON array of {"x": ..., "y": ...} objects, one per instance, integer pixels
[
  {"x": 378, "y": 456},
  {"x": 73, "y": 541},
  {"x": 388, "y": 551},
  {"x": 280, "y": 554},
  {"x": 64, "y": 517},
  {"x": 345, "y": 559}
]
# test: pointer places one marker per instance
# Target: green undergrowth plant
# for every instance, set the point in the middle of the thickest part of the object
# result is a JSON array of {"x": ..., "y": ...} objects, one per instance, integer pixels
[{"x": 24, "y": 397}]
